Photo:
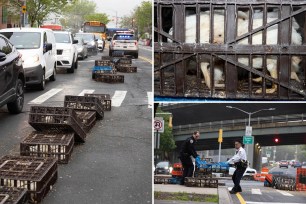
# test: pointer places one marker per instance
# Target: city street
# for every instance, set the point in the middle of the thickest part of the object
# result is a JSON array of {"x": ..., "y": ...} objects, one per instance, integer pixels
[{"x": 114, "y": 164}]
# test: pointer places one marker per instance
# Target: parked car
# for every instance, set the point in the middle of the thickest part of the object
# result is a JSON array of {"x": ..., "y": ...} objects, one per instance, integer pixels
[
  {"x": 66, "y": 51},
  {"x": 101, "y": 42},
  {"x": 297, "y": 164},
  {"x": 291, "y": 163},
  {"x": 81, "y": 48},
  {"x": 125, "y": 42},
  {"x": 248, "y": 174},
  {"x": 283, "y": 163},
  {"x": 90, "y": 40},
  {"x": 163, "y": 167},
  {"x": 38, "y": 49},
  {"x": 12, "y": 78}
]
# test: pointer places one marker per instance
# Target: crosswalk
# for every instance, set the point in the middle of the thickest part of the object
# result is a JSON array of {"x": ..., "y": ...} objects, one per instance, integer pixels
[
  {"x": 117, "y": 97},
  {"x": 257, "y": 191}
]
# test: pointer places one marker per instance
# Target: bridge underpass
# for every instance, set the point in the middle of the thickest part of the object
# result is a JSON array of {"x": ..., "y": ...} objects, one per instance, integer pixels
[{"x": 290, "y": 129}]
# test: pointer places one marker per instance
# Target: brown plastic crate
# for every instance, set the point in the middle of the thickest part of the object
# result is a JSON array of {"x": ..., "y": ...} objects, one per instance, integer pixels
[
  {"x": 109, "y": 78},
  {"x": 57, "y": 119},
  {"x": 105, "y": 100},
  {"x": 88, "y": 119},
  {"x": 36, "y": 174},
  {"x": 201, "y": 182},
  {"x": 126, "y": 69},
  {"x": 125, "y": 60},
  {"x": 48, "y": 144},
  {"x": 104, "y": 63},
  {"x": 13, "y": 195},
  {"x": 85, "y": 103},
  {"x": 106, "y": 58}
]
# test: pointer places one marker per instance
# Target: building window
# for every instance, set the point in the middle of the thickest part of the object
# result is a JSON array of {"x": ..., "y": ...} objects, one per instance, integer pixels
[{"x": 4, "y": 15}]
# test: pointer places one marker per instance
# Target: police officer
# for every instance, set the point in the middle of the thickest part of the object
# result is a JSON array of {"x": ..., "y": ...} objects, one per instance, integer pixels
[
  {"x": 240, "y": 162},
  {"x": 187, "y": 150}
]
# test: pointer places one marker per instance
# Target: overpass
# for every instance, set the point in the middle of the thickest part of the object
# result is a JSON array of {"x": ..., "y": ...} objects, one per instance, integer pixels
[{"x": 287, "y": 123}]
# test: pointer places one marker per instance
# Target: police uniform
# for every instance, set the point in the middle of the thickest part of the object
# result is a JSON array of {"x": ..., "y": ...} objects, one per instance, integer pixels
[
  {"x": 240, "y": 161},
  {"x": 187, "y": 150}
]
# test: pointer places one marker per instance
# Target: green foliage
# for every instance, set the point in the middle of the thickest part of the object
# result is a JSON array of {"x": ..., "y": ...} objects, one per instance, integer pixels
[
  {"x": 143, "y": 15},
  {"x": 102, "y": 17}
]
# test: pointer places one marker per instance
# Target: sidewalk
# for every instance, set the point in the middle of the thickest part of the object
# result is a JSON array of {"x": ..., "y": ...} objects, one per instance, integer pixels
[{"x": 179, "y": 188}]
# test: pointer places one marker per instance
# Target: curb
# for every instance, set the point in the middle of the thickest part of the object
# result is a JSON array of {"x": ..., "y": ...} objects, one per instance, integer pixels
[{"x": 224, "y": 196}]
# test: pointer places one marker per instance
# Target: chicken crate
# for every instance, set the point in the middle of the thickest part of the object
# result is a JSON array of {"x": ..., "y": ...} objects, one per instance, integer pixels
[
  {"x": 109, "y": 78},
  {"x": 10, "y": 195},
  {"x": 88, "y": 119},
  {"x": 106, "y": 58},
  {"x": 59, "y": 119},
  {"x": 117, "y": 54},
  {"x": 125, "y": 60},
  {"x": 126, "y": 68},
  {"x": 85, "y": 103},
  {"x": 36, "y": 174},
  {"x": 201, "y": 182},
  {"x": 230, "y": 49},
  {"x": 160, "y": 180},
  {"x": 105, "y": 100},
  {"x": 48, "y": 144}
]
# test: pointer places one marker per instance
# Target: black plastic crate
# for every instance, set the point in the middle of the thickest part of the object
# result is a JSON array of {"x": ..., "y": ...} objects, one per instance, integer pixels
[
  {"x": 85, "y": 103},
  {"x": 118, "y": 54},
  {"x": 126, "y": 69},
  {"x": 201, "y": 182},
  {"x": 57, "y": 119},
  {"x": 109, "y": 78},
  {"x": 36, "y": 174},
  {"x": 105, "y": 100},
  {"x": 48, "y": 144},
  {"x": 103, "y": 63},
  {"x": 105, "y": 58},
  {"x": 13, "y": 195},
  {"x": 125, "y": 60},
  {"x": 88, "y": 119}
]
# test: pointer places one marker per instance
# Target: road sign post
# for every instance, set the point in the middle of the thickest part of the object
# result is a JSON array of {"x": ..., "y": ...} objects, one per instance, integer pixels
[{"x": 220, "y": 140}]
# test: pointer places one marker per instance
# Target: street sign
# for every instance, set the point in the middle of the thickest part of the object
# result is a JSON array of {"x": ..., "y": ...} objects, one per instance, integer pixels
[
  {"x": 248, "y": 131},
  {"x": 24, "y": 9},
  {"x": 248, "y": 140},
  {"x": 159, "y": 125}
]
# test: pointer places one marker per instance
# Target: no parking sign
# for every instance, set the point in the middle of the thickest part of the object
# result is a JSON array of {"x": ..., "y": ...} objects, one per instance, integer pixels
[{"x": 159, "y": 125}]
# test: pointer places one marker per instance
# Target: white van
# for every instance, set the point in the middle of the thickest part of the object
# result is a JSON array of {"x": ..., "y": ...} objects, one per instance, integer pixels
[{"x": 38, "y": 49}]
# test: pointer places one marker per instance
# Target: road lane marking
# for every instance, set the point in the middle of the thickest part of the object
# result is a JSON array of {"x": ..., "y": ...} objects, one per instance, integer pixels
[
  {"x": 284, "y": 193},
  {"x": 242, "y": 201},
  {"x": 150, "y": 99},
  {"x": 256, "y": 191},
  {"x": 146, "y": 59},
  {"x": 86, "y": 91},
  {"x": 45, "y": 96},
  {"x": 118, "y": 98}
]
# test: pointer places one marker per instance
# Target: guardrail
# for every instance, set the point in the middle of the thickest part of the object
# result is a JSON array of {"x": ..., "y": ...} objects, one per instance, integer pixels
[{"x": 243, "y": 122}]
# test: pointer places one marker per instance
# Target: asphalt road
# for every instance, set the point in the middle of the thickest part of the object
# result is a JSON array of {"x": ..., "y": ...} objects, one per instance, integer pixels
[{"x": 115, "y": 163}]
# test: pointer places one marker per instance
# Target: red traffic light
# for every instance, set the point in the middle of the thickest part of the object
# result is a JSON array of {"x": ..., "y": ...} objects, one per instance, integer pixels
[{"x": 276, "y": 140}]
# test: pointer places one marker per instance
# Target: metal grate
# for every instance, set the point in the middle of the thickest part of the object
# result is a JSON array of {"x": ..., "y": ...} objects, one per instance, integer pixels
[{"x": 230, "y": 49}]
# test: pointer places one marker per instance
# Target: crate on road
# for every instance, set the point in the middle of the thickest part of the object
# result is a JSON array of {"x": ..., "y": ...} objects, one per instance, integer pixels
[
  {"x": 201, "y": 182},
  {"x": 36, "y": 174},
  {"x": 59, "y": 119},
  {"x": 109, "y": 78},
  {"x": 105, "y": 100},
  {"x": 85, "y": 103},
  {"x": 125, "y": 60},
  {"x": 126, "y": 68},
  {"x": 10, "y": 195},
  {"x": 88, "y": 119},
  {"x": 48, "y": 144}
]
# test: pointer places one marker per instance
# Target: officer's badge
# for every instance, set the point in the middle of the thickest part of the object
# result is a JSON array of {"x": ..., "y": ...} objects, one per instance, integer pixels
[{"x": 191, "y": 141}]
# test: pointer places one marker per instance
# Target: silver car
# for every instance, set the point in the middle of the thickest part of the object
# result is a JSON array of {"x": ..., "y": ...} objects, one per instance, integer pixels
[
  {"x": 82, "y": 48},
  {"x": 101, "y": 42},
  {"x": 90, "y": 40}
]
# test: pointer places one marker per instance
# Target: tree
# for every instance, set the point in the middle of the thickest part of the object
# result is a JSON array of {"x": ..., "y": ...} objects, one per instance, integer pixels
[
  {"x": 102, "y": 17},
  {"x": 127, "y": 22},
  {"x": 38, "y": 10},
  {"x": 143, "y": 15}
]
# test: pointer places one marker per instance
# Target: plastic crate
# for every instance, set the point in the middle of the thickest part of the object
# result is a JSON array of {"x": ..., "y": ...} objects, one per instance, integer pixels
[
  {"x": 201, "y": 182},
  {"x": 118, "y": 54},
  {"x": 105, "y": 100},
  {"x": 85, "y": 103},
  {"x": 126, "y": 69},
  {"x": 105, "y": 58},
  {"x": 48, "y": 144},
  {"x": 109, "y": 78},
  {"x": 88, "y": 119},
  {"x": 125, "y": 60},
  {"x": 60, "y": 119},
  {"x": 36, "y": 174},
  {"x": 13, "y": 195}
]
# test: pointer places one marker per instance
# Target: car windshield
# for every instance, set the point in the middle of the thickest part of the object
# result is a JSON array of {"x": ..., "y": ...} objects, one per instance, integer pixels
[
  {"x": 124, "y": 37},
  {"x": 98, "y": 37},
  {"x": 62, "y": 38},
  {"x": 24, "y": 40},
  {"x": 162, "y": 164},
  {"x": 86, "y": 37}
]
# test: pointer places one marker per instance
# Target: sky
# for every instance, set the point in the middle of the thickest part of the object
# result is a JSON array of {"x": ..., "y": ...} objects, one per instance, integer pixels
[{"x": 123, "y": 7}]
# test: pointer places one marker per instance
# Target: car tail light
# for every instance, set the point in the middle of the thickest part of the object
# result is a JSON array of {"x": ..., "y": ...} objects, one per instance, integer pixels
[
  {"x": 136, "y": 43},
  {"x": 113, "y": 43}
]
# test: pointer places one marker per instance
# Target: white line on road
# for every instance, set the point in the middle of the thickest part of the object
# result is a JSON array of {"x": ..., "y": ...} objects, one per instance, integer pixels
[
  {"x": 118, "y": 98},
  {"x": 150, "y": 99},
  {"x": 256, "y": 191},
  {"x": 86, "y": 91},
  {"x": 284, "y": 193},
  {"x": 45, "y": 96}
]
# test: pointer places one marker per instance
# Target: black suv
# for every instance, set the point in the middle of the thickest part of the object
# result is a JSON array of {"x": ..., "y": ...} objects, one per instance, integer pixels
[{"x": 11, "y": 77}]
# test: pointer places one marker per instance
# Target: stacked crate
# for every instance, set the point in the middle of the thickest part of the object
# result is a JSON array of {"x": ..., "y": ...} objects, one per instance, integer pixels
[
  {"x": 104, "y": 71},
  {"x": 125, "y": 65}
]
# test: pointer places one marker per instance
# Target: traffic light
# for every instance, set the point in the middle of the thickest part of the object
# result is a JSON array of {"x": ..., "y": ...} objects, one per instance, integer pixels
[{"x": 276, "y": 140}]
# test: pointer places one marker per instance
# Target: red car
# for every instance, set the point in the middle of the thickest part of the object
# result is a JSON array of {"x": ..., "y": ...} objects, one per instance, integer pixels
[{"x": 283, "y": 163}]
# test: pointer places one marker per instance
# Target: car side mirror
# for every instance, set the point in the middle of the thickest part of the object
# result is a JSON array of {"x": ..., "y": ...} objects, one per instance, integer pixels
[
  {"x": 2, "y": 56},
  {"x": 75, "y": 41},
  {"x": 48, "y": 47}
]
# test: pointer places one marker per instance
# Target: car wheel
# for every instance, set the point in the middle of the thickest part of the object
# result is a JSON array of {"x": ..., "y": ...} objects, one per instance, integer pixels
[
  {"x": 83, "y": 57},
  {"x": 76, "y": 64},
  {"x": 17, "y": 105},
  {"x": 53, "y": 77},
  {"x": 71, "y": 69},
  {"x": 42, "y": 84}
]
